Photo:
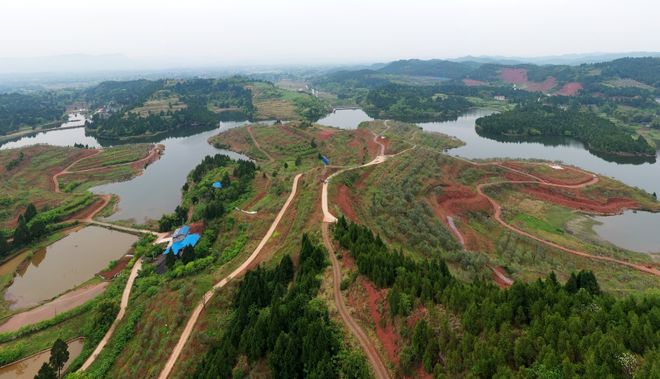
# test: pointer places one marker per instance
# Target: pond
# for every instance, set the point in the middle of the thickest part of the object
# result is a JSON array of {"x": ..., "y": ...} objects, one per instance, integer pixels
[
  {"x": 345, "y": 118},
  {"x": 29, "y": 367},
  {"x": 632, "y": 230},
  {"x": 66, "y": 264},
  {"x": 643, "y": 175}
]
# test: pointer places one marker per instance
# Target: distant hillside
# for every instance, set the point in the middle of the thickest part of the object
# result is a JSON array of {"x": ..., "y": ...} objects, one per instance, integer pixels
[{"x": 433, "y": 67}]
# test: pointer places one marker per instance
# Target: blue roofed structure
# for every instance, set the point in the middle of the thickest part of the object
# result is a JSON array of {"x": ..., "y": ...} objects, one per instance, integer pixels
[
  {"x": 325, "y": 160},
  {"x": 181, "y": 232},
  {"x": 189, "y": 240},
  {"x": 217, "y": 185}
]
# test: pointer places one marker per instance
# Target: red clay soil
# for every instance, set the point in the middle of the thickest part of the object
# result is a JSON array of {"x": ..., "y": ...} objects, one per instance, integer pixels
[
  {"x": 376, "y": 300},
  {"x": 519, "y": 76},
  {"x": 570, "y": 89},
  {"x": 88, "y": 213},
  {"x": 196, "y": 227},
  {"x": 500, "y": 277},
  {"x": 347, "y": 262},
  {"x": 455, "y": 201},
  {"x": 544, "y": 86},
  {"x": 325, "y": 135},
  {"x": 572, "y": 198},
  {"x": 362, "y": 137},
  {"x": 121, "y": 264},
  {"x": 473, "y": 82},
  {"x": 345, "y": 202}
]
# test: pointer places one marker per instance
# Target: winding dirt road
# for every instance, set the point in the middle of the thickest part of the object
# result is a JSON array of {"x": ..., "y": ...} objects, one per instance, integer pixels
[
  {"x": 498, "y": 217},
  {"x": 379, "y": 368},
  {"x": 185, "y": 335},
  {"x": 256, "y": 143},
  {"x": 122, "y": 311}
]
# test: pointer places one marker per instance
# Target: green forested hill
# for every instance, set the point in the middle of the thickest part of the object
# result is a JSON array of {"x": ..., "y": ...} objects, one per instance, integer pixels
[{"x": 597, "y": 133}]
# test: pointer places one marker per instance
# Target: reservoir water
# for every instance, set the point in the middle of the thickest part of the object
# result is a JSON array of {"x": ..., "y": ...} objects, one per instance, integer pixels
[
  {"x": 64, "y": 137},
  {"x": 643, "y": 175},
  {"x": 637, "y": 231},
  {"x": 158, "y": 190},
  {"x": 66, "y": 264},
  {"x": 345, "y": 118}
]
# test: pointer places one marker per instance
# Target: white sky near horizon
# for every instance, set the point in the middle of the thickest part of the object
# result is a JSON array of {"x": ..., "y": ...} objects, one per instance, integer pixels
[{"x": 296, "y": 31}]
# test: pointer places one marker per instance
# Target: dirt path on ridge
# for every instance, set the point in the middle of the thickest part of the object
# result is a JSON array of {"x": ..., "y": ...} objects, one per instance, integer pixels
[{"x": 187, "y": 331}]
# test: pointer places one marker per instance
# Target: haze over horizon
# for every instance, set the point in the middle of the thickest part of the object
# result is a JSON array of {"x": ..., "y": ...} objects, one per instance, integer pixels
[{"x": 168, "y": 34}]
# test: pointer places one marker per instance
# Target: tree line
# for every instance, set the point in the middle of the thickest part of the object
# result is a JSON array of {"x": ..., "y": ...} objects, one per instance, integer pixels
[
  {"x": 542, "y": 329},
  {"x": 276, "y": 317},
  {"x": 597, "y": 133},
  {"x": 18, "y": 110}
]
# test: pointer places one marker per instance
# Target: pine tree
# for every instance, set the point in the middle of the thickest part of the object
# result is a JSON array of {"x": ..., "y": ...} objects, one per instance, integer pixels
[
  {"x": 59, "y": 354},
  {"x": 21, "y": 233},
  {"x": 30, "y": 212},
  {"x": 46, "y": 372},
  {"x": 4, "y": 246}
]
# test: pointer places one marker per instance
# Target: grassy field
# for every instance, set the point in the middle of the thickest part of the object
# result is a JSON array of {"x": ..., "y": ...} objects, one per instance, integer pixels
[{"x": 278, "y": 103}]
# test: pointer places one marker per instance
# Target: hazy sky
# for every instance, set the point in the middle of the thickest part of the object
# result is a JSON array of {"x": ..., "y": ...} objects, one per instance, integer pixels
[{"x": 312, "y": 31}]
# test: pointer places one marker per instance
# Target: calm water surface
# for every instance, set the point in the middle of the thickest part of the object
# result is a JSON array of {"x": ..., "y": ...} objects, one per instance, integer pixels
[
  {"x": 28, "y": 368},
  {"x": 158, "y": 190},
  {"x": 637, "y": 231},
  {"x": 66, "y": 137},
  {"x": 65, "y": 264},
  {"x": 642, "y": 175},
  {"x": 345, "y": 118}
]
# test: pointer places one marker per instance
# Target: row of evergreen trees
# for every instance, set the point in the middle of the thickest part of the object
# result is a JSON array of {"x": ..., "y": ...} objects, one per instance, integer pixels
[
  {"x": 541, "y": 329},
  {"x": 25, "y": 231},
  {"x": 275, "y": 316}
]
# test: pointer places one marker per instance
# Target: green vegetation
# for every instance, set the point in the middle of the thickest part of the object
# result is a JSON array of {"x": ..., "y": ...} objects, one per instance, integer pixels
[
  {"x": 597, "y": 133},
  {"x": 285, "y": 324},
  {"x": 413, "y": 103},
  {"x": 19, "y": 110},
  {"x": 195, "y": 103},
  {"x": 541, "y": 329},
  {"x": 272, "y": 102}
]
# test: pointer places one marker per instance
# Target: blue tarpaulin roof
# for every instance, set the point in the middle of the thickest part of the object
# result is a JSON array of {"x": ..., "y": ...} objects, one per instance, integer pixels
[
  {"x": 190, "y": 240},
  {"x": 325, "y": 160},
  {"x": 182, "y": 231},
  {"x": 217, "y": 185}
]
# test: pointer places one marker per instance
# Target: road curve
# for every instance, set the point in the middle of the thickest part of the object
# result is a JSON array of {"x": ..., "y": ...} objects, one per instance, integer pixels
[
  {"x": 122, "y": 311},
  {"x": 176, "y": 352},
  {"x": 498, "y": 217},
  {"x": 375, "y": 359}
]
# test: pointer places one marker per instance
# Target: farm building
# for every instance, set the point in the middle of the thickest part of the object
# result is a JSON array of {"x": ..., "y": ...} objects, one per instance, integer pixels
[{"x": 184, "y": 236}]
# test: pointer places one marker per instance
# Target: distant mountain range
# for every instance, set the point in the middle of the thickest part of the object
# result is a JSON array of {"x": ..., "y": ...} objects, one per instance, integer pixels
[{"x": 567, "y": 59}]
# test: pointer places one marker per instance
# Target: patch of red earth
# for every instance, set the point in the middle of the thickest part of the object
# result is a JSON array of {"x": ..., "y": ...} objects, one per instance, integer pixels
[
  {"x": 544, "y": 86},
  {"x": 571, "y": 198},
  {"x": 359, "y": 183},
  {"x": 119, "y": 266},
  {"x": 345, "y": 202},
  {"x": 196, "y": 227},
  {"x": 377, "y": 299},
  {"x": 325, "y": 135},
  {"x": 91, "y": 211},
  {"x": 518, "y": 76},
  {"x": 570, "y": 89},
  {"x": 501, "y": 278},
  {"x": 473, "y": 82},
  {"x": 514, "y": 75},
  {"x": 347, "y": 262},
  {"x": 457, "y": 201},
  {"x": 362, "y": 137}
]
